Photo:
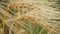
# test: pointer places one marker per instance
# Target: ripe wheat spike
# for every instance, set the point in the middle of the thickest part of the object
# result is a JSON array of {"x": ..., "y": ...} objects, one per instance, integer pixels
[{"x": 29, "y": 17}]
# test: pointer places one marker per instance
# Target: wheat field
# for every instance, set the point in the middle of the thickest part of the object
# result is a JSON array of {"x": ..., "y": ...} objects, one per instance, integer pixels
[{"x": 29, "y": 16}]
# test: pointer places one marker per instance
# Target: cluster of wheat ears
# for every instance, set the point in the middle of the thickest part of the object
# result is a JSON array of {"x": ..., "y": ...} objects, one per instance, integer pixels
[{"x": 29, "y": 17}]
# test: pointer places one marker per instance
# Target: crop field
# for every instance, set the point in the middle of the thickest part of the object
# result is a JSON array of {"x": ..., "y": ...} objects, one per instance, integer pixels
[{"x": 29, "y": 16}]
